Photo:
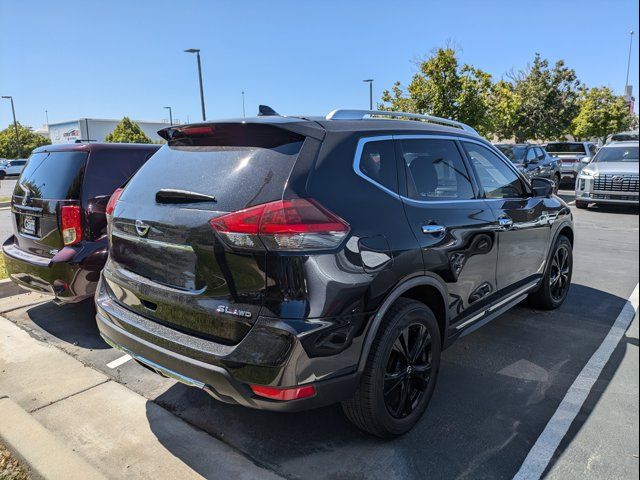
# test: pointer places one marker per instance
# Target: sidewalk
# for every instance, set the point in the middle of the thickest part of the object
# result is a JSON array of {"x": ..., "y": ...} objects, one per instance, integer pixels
[{"x": 118, "y": 432}]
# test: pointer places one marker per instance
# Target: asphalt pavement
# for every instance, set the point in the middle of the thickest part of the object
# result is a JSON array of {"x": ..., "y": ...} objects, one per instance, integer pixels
[{"x": 499, "y": 388}]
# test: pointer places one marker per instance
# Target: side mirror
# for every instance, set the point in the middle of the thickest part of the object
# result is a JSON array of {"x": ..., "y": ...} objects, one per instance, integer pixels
[
  {"x": 542, "y": 187},
  {"x": 585, "y": 160}
]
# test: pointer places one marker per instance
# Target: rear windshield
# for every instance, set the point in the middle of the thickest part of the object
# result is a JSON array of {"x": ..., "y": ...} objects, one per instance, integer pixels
[
  {"x": 241, "y": 166},
  {"x": 514, "y": 153},
  {"x": 566, "y": 148},
  {"x": 52, "y": 175},
  {"x": 109, "y": 169}
]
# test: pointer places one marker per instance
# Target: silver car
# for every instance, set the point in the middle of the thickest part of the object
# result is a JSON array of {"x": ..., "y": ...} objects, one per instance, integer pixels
[
  {"x": 611, "y": 177},
  {"x": 572, "y": 156}
]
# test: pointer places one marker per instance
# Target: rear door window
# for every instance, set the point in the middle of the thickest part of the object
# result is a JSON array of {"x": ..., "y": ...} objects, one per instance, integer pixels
[
  {"x": 53, "y": 175},
  {"x": 435, "y": 170},
  {"x": 109, "y": 169},
  {"x": 378, "y": 163}
]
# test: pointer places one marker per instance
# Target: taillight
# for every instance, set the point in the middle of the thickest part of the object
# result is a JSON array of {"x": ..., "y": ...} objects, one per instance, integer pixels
[
  {"x": 283, "y": 225},
  {"x": 284, "y": 394},
  {"x": 115, "y": 196},
  {"x": 71, "y": 221}
]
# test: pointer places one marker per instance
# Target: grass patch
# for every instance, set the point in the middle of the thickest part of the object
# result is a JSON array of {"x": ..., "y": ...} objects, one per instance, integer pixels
[
  {"x": 10, "y": 467},
  {"x": 5, "y": 199},
  {"x": 3, "y": 270}
]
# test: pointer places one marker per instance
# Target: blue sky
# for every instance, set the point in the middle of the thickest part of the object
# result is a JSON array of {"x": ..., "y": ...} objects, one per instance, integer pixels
[{"x": 108, "y": 59}]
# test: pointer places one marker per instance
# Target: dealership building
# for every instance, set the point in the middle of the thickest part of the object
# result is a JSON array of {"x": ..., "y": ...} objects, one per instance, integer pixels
[{"x": 96, "y": 129}]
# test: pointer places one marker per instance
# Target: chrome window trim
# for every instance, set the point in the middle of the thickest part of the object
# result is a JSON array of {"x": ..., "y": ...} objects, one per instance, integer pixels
[{"x": 364, "y": 140}]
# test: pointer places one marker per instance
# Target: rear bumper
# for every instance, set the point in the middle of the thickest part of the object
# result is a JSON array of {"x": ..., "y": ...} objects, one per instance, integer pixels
[
  {"x": 223, "y": 371},
  {"x": 71, "y": 276}
]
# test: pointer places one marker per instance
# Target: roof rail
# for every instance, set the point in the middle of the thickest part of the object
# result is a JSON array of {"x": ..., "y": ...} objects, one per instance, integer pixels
[{"x": 363, "y": 114}]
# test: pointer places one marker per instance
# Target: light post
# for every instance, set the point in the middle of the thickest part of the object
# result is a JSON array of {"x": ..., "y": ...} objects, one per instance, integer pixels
[
  {"x": 197, "y": 52},
  {"x": 15, "y": 123},
  {"x": 170, "y": 115},
  {"x": 370, "y": 82},
  {"x": 243, "y": 111},
  {"x": 629, "y": 58}
]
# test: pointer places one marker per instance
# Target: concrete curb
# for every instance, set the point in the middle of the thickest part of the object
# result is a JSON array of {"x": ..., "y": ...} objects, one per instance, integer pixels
[{"x": 44, "y": 455}]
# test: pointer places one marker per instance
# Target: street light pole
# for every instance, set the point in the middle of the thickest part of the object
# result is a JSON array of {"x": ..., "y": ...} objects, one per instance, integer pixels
[
  {"x": 370, "y": 82},
  {"x": 170, "y": 115},
  {"x": 243, "y": 111},
  {"x": 197, "y": 52},
  {"x": 629, "y": 58},
  {"x": 15, "y": 123}
]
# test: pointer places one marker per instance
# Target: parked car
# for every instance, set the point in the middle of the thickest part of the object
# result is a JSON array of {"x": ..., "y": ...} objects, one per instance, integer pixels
[
  {"x": 532, "y": 160},
  {"x": 287, "y": 263},
  {"x": 631, "y": 135},
  {"x": 59, "y": 242},
  {"x": 612, "y": 176},
  {"x": 572, "y": 156},
  {"x": 12, "y": 168}
]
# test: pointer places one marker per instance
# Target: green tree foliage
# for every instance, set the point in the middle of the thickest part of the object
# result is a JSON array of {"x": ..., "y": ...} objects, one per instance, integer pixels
[
  {"x": 127, "y": 131},
  {"x": 547, "y": 101},
  {"x": 446, "y": 89},
  {"x": 28, "y": 141},
  {"x": 601, "y": 114}
]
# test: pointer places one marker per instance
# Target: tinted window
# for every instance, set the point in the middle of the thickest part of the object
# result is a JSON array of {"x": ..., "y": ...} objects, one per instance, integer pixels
[
  {"x": 617, "y": 154},
  {"x": 495, "y": 176},
  {"x": 109, "y": 169},
  {"x": 539, "y": 153},
  {"x": 565, "y": 147},
  {"x": 515, "y": 153},
  {"x": 593, "y": 149},
  {"x": 435, "y": 170},
  {"x": 53, "y": 175},
  {"x": 378, "y": 162},
  {"x": 531, "y": 154},
  {"x": 237, "y": 176}
]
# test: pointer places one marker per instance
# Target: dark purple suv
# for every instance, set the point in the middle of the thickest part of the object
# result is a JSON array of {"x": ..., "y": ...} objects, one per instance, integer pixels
[{"x": 59, "y": 245}]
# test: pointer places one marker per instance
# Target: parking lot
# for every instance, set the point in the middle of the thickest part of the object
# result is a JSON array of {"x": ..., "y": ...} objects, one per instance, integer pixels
[{"x": 498, "y": 390}]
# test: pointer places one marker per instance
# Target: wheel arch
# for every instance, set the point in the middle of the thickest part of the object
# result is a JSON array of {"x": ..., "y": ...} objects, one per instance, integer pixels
[{"x": 426, "y": 289}]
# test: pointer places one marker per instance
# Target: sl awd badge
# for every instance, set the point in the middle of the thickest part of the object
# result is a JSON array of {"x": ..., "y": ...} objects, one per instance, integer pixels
[{"x": 233, "y": 311}]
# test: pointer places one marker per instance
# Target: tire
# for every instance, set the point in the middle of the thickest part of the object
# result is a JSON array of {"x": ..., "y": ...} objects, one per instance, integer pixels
[
  {"x": 552, "y": 294},
  {"x": 369, "y": 409},
  {"x": 557, "y": 181},
  {"x": 3, "y": 174},
  {"x": 582, "y": 205}
]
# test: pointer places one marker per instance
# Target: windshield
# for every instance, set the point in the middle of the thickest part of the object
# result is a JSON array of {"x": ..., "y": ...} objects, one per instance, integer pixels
[
  {"x": 617, "y": 154},
  {"x": 54, "y": 175},
  {"x": 566, "y": 147},
  {"x": 514, "y": 153}
]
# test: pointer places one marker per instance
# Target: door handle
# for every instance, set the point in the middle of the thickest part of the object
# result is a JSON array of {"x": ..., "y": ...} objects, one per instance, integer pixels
[
  {"x": 433, "y": 229},
  {"x": 505, "y": 222}
]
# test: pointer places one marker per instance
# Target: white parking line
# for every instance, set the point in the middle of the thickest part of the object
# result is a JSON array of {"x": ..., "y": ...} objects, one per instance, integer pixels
[
  {"x": 542, "y": 452},
  {"x": 119, "y": 361}
]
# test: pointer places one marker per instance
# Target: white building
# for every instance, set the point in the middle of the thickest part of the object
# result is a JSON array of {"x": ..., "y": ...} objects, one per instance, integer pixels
[{"x": 96, "y": 129}]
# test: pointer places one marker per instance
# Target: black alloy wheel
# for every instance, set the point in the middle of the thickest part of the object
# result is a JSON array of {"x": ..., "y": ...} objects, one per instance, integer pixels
[
  {"x": 408, "y": 371},
  {"x": 559, "y": 275}
]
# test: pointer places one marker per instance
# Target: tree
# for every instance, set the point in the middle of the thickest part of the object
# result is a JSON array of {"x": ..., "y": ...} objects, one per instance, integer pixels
[
  {"x": 127, "y": 131},
  {"x": 28, "y": 141},
  {"x": 601, "y": 114},
  {"x": 445, "y": 89},
  {"x": 545, "y": 102}
]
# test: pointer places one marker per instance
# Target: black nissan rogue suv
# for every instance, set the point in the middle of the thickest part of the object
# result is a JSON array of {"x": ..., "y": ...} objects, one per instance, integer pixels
[{"x": 286, "y": 263}]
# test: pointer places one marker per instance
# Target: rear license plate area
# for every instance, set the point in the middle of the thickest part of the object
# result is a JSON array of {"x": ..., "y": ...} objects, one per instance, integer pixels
[{"x": 29, "y": 224}]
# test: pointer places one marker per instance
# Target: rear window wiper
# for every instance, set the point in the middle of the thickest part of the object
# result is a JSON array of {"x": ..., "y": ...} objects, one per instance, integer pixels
[{"x": 169, "y": 195}]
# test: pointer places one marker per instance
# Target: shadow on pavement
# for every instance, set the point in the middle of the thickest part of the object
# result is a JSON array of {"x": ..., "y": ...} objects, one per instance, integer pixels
[
  {"x": 624, "y": 209},
  {"x": 497, "y": 390},
  {"x": 73, "y": 323}
]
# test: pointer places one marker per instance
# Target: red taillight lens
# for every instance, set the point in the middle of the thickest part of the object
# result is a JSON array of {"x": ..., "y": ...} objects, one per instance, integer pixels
[
  {"x": 115, "y": 196},
  {"x": 284, "y": 225},
  {"x": 71, "y": 221},
  {"x": 284, "y": 394}
]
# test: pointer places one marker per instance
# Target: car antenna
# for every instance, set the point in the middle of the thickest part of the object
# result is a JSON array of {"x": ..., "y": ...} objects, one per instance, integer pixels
[{"x": 266, "y": 111}]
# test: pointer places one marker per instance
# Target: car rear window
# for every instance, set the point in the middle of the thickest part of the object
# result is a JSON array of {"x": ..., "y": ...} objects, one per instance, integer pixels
[
  {"x": 239, "y": 165},
  {"x": 566, "y": 148},
  {"x": 378, "y": 163},
  {"x": 52, "y": 175},
  {"x": 109, "y": 169}
]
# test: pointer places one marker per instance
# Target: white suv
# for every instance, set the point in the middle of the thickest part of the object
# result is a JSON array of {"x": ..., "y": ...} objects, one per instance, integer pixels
[
  {"x": 12, "y": 167},
  {"x": 572, "y": 157},
  {"x": 612, "y": 176}
]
